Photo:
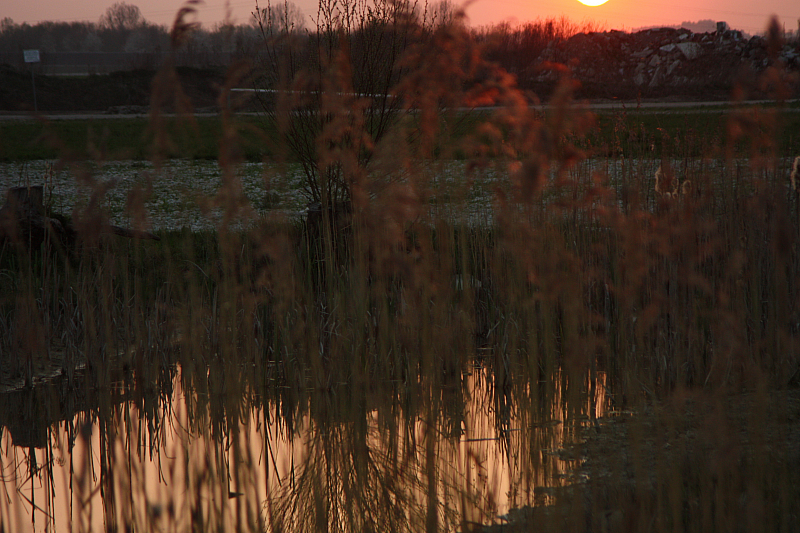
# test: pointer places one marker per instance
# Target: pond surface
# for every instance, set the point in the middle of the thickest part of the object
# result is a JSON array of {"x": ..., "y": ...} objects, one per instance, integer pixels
[{"x": 77, "y": 460}]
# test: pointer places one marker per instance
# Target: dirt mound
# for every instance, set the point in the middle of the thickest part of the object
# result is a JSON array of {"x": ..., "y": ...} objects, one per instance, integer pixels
[{"x": 118, "y": 92}]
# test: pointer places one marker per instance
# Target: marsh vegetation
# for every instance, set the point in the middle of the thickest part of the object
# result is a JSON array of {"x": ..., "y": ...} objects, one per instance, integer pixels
[{"x": 589, "y": 350}]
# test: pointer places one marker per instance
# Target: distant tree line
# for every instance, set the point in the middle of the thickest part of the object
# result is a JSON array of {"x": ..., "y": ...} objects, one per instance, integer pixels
[
  {"x": 516, "y": 47},
  {"x": 123, "y": 29}
]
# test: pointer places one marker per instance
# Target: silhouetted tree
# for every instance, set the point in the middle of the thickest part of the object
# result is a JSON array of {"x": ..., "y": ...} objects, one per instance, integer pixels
[{"x": 122, "y": 16}]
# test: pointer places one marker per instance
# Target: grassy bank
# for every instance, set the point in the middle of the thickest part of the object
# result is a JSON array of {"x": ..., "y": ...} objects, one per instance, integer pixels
[
  {"x": 127, "y": 139},
  {"x": 695, "y": 132},
  {"x": 632, "y": 133}
]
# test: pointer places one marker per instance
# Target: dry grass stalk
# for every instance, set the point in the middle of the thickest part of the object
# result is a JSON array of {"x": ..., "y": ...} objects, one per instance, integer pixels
[{"x": 362, "y": 335}]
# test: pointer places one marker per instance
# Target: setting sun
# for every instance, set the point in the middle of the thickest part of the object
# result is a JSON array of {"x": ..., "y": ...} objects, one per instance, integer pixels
[{"x": 593, "y": 2}]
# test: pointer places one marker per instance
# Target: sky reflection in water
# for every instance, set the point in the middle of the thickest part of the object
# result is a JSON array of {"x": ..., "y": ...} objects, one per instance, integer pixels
[{"x": 112, "y": 463}]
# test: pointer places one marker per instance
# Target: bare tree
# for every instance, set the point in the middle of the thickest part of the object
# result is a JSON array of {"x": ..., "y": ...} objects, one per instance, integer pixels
[
  {"x": 7, "y": 24},
  {"x": 329, "y": 90},
  {"x": 443, "y": 12},
  {"x": 122, "y": 16},
  {"x": 281, "y": 17}
]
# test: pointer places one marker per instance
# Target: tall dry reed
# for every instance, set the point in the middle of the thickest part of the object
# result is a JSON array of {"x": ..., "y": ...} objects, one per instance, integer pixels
[{"x": 360, "y": 328}]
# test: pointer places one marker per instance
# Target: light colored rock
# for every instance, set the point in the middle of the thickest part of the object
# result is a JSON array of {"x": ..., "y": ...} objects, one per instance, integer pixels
[
  {"x": 672, "y": 66},
  {"x": 658, "y": 76},
  {"x": 667, "y": 48},
  {"x": 689, "y": 50}
]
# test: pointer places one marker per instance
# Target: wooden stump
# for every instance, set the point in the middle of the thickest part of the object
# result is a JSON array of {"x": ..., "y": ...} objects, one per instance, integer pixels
[
  {"x": 23, "y": 221},
  {"x": 22, "y": 217}
]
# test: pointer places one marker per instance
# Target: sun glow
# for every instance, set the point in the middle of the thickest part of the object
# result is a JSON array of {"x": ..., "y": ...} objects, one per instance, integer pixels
[{"x": 593, "y": 3}]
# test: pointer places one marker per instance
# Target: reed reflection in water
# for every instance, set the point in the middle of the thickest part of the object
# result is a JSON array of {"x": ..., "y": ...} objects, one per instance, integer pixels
[{"x": 114, "y": 467}]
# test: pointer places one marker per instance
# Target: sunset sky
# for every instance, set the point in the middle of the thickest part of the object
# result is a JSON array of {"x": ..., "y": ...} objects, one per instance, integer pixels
[{"x": 747, "y": 15}]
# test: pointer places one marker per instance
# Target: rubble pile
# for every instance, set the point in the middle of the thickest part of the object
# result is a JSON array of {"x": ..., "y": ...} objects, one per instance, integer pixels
[{"x": 663, "y": 63}]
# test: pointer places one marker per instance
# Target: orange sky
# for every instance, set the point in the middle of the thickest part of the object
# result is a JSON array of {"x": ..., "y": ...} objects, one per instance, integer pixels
[{"x": 747, "y": 15}]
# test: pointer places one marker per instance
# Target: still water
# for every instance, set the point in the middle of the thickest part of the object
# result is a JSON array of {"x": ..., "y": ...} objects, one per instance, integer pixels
[{"x": 166, "y": 461}]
